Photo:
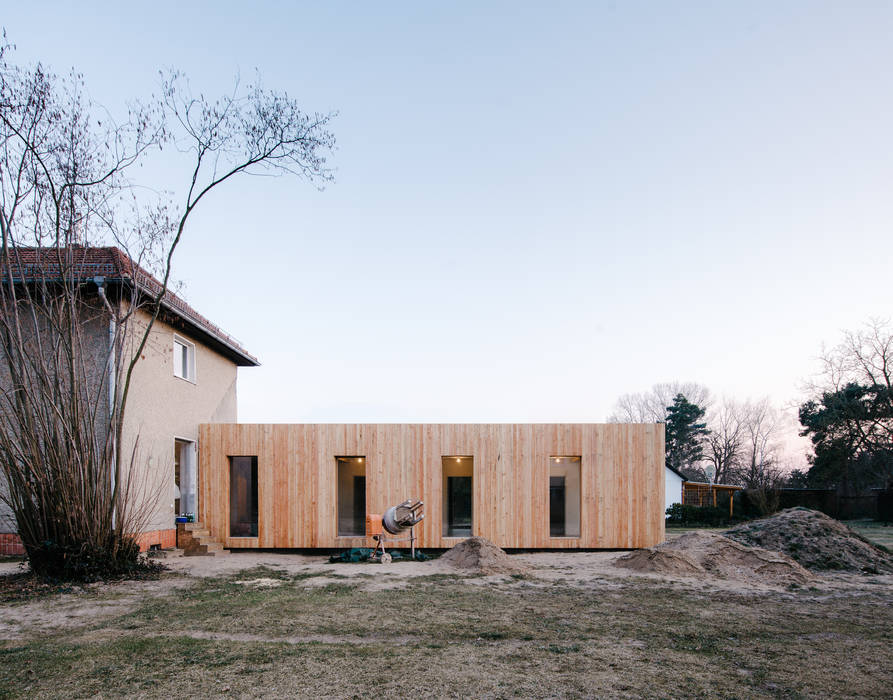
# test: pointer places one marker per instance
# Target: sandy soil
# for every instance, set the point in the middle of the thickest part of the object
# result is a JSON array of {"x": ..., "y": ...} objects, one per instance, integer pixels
[
  {"x": 816, "y": 541},
  {"x": 583, "y": 569},
  {"x": 705, "y": 554}
]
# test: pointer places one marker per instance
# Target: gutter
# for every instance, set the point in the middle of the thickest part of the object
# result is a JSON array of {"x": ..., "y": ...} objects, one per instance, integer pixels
[{"x": 112, "y": 363}]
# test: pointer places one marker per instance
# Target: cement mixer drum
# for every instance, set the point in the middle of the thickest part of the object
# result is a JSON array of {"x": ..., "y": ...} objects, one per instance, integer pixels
[{"x": 399, "y": 518}]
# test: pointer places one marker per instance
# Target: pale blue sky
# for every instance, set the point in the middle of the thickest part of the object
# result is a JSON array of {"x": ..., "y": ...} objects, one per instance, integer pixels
[{"x": 538, "y": 206}]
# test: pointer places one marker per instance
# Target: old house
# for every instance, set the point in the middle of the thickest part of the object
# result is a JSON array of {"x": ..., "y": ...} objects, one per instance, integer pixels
[{"x": 185, "y": 376}]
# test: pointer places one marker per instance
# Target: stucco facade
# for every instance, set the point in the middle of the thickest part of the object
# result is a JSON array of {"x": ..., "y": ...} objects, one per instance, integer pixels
[
  {"x": 94, "y": 330},
  {"x": 163, "y": 408}
]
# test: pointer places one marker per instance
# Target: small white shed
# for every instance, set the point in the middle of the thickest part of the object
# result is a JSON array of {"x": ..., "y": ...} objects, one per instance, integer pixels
[{"x": 673, "y": 486}]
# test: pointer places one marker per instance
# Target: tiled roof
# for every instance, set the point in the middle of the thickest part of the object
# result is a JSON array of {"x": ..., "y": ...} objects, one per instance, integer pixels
[{"x": 82, "y": 262}]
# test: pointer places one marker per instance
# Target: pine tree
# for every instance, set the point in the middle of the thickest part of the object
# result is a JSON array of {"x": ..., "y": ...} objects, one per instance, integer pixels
[{"x": 685, "y": 434}]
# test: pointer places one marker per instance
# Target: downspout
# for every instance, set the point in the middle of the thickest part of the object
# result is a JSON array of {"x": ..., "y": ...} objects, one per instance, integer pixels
[{"x": 113, "y": 330}]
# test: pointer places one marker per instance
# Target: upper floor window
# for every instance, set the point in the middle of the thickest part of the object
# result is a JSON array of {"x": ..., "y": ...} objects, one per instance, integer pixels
[{"x": 184, "y": 359}]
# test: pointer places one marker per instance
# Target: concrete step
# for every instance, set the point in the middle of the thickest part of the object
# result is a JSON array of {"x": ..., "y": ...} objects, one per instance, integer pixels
[{"x": 197, "y": 541}]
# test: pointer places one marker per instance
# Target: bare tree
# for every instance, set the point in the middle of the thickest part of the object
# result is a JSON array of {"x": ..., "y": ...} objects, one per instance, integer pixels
[
  {"x": 67, "y": 172},
  {"x": 651, "y": 406},
  {"x": 726, "y": 440},
  {"x": 760, "y": 465},
  {"x": 863, "y": 357}
]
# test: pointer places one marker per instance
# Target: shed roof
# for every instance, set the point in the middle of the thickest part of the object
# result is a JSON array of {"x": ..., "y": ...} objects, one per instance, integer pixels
[{"x": 676, "y": 472}]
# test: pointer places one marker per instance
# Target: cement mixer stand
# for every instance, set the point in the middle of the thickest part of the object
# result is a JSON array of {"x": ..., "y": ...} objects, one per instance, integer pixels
[{"x": 395, "y": 521}]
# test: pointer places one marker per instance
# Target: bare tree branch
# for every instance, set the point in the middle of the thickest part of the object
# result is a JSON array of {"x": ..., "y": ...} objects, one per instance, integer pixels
[{"x": 68, "y": 347}]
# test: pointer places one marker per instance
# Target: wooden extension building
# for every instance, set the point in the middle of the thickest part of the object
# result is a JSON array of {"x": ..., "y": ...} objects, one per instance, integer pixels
[{"x": 519, "y": 485}]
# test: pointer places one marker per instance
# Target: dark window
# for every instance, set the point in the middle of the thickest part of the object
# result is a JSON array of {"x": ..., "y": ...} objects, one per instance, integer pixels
[
  {"x": 243, "y": 496},
  {"x": 458, "y": 506},
  {"x": 359, "y": 504},
  {"x": 556, "y": 506}
]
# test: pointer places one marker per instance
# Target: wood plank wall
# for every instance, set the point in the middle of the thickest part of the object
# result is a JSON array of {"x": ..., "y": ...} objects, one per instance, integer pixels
[{"x": 622, "y": 489}]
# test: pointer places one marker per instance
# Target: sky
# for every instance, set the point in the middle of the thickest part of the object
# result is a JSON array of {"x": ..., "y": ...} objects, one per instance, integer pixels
[{"x": 537, "y": 207}]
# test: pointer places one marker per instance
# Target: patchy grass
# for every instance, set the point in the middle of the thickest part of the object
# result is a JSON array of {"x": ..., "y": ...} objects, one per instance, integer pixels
[
  {"x": 673, "y": 531},
  {"x": 441, "y": 636},
  {"x": 876, "y": 532},
  {"x": 24, "y": 586}
]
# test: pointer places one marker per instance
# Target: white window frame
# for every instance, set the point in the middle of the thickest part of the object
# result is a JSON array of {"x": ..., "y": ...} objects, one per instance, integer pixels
[{"x": 188, "y": 372}]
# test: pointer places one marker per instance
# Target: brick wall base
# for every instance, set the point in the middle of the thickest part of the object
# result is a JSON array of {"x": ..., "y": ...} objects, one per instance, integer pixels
[
  {"x": 10, "y": 544},
  {"x": 165, "y": 539}
]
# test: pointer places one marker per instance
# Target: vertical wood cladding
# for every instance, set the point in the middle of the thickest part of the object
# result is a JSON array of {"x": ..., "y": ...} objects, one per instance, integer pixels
[{"x": 622, "y": 480}]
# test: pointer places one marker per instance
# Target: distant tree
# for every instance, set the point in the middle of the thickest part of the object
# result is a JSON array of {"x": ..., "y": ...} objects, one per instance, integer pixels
[
  {"x": 685, "y": 435},
  {"x": 796, "y": 479},
  {"x": 849, "y": 418},
  {"x": 725, "y": 440},
  {"x": 759, "y": 466},
  {"x": 651, "y": 406},
  {"x": 850, "y": 433}
]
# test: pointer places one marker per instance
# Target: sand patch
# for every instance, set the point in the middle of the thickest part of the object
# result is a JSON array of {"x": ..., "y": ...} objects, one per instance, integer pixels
[
  {"x": 698, "y": 554},
  {"x": 815, "y": 540},
  {"x": 260, "y": 582},
  {"x": 480, "y": 555}
]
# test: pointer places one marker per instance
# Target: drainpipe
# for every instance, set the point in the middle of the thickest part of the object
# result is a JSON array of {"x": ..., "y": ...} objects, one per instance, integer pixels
[{"x": 113, "y": 329}]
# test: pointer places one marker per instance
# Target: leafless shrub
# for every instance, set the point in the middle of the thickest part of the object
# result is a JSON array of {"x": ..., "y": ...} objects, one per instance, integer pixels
[{"x": 69, "y": 344}]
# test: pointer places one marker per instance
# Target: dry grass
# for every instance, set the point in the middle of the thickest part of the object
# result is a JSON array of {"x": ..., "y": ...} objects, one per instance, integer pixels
[
  {"x": 450, "y": 637},
  {"x": 878, "y": 533}
]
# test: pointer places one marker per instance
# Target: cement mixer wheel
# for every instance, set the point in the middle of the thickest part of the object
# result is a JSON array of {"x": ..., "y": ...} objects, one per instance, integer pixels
[{"x": 385, "y": 558}]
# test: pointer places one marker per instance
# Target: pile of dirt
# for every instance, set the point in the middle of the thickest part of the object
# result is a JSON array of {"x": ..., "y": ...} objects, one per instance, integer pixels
[
  {"x": 711, "y": 554},
  {"x": 815, "y": 540},
  {"x": 480, "y": 555}
]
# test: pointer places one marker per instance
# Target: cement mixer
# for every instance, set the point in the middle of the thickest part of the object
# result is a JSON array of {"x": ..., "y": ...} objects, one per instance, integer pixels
[{"x": 395, "y": 521}]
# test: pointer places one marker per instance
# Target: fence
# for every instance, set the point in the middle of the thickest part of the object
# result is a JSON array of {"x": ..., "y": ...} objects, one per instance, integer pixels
[{"x": 828, "y": 501}]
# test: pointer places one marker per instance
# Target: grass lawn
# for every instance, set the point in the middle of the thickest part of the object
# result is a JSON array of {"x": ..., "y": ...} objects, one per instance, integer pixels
[
  {"x": 876, "y": 532},
  {"x": 673, "y": 531},
  {"x": 443, "y": 636}
]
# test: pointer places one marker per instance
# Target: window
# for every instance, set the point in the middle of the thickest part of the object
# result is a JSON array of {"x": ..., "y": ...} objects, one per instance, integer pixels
[
  {"x": 351, "y": 496},
  {"x": 184, "y": 477},
  {"x": 458, "y": 476},
  {"x": 184, "y": 359},
  {"x": 243, "y": 496},
  {"x": 564, "y": 496}
]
